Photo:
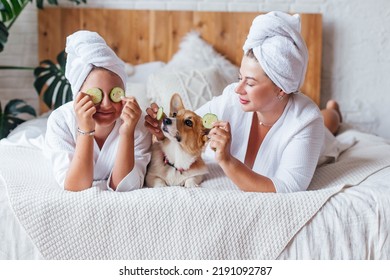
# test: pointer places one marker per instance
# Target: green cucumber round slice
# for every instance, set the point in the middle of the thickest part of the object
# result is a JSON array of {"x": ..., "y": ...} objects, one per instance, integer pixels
[
  {"x": 96, "y": 95},
  {"x": 160, "y": 113},
  {"x": 208, "y": 120},
  {"x": 116, "y": 94}
]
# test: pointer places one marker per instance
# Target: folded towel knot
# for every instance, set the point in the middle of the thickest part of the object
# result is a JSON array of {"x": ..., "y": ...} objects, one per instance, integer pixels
[
  {"x": 280, "y": 49},
  {"x": 86, "y": 49}
]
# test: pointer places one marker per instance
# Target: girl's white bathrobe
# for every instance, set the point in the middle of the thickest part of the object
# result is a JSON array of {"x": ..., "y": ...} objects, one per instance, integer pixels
[
  {"x": 292, "y": 148},
  {"x": 60, "y": 143}
]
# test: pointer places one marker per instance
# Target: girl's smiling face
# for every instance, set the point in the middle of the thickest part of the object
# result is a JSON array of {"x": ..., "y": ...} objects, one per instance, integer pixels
[
  {"x": 256, "y": 91},
  {"x": 107, "y": 111}
]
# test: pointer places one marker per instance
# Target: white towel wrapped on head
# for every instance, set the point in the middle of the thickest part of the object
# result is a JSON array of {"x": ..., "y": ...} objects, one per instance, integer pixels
[
  {"x": 86, "y": 49},
  {"x": 280, "y": 49}
]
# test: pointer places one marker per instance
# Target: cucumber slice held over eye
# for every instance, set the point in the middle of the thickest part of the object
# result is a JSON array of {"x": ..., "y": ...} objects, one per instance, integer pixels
[
  {"x": 160, "y": 113},
  {"x": 116, "y": 94},
  {"x": 96, "y": 95},
  {"x": 208, "y": 120}
]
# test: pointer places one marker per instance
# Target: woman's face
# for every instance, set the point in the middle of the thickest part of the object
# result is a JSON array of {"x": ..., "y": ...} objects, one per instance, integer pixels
[
  {"x": 107, "y": 111},
  {"x": 256, "y": 91}
]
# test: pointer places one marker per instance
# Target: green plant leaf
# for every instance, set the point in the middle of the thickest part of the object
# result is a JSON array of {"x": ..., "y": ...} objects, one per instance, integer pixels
[
  {"x": 61, "y": 58},
  {"x": 50, "y": 82},
  {"x": 6, "y": 11},
  {"x": 53, "y": 2},
  {"x": 40, "y": 4},
  {"x": 18, "y": 106},
  {"x": 3, "y": 35},
  {"x": 9, "y": 117}
]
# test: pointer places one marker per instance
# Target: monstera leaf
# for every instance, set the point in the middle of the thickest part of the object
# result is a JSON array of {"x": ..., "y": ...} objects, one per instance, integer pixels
[
  {"x": 9, "y": 118},
  {"x": 3, "y": 35},
  {"x": 51, "y": 84}
]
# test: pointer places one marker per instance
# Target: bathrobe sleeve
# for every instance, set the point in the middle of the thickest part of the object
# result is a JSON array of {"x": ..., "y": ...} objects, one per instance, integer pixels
[
  {"x": 60, "y": 140},
  {"x": 60, "y": 143},
  {"x": 289, "y": 153}
]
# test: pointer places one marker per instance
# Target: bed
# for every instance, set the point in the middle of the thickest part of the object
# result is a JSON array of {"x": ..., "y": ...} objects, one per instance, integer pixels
[{"x": 343, "y": 215}]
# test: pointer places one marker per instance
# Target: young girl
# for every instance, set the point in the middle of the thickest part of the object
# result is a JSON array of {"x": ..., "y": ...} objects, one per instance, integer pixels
[
  {"x": 270, "y": 137},
  {"x": 97, "y": 142}
]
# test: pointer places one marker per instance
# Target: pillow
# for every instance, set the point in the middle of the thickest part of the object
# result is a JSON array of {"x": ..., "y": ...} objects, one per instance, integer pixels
[
  {"x": 137, "y": 78},
  {"x": 30, "y": 134},
  {"x": 138, "y": 90},
  {"x": 141, "y": 72},
  {"x": 196, "y": 87},
  {"x": 195, "y": 53}
]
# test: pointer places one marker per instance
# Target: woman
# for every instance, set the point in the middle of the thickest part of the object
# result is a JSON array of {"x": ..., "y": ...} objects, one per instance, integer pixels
[
  {"x": 270, "y": 136},
  {"x": 99, "y": 143}
]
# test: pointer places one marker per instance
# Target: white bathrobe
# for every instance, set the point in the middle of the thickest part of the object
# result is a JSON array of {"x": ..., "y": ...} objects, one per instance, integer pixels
[
  {"x": 60, "y": 143},
  {"x": 292, "y": 148}
]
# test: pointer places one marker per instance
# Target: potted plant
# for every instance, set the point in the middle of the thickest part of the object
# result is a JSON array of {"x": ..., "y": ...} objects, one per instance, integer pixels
[
  {"x": 9, "y": 116},
  {"x": 50, "y": 82}
]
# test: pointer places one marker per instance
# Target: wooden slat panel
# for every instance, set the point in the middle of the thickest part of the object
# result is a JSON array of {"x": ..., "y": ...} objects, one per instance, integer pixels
[
  {"x": 143, "y": 36},
  {"x": 312, "y": 33}
]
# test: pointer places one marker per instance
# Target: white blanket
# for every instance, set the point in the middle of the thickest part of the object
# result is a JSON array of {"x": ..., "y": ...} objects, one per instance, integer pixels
[{"x": 216, "y": 221}]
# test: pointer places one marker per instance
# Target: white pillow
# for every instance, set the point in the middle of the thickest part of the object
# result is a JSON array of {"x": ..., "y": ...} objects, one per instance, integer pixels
[
  {"x": 141, "y": 72},
  {"x": 195, "y": 53},
  {"x": 30, "y": 134},
  {"x": 137, "y": 78},
  {"x": 138, "y": 90},
  {"x": 196, "y": 87}
]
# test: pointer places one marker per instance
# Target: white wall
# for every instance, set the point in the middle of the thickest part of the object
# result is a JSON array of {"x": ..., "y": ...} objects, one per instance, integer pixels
[{"x": 356, "y": 50}]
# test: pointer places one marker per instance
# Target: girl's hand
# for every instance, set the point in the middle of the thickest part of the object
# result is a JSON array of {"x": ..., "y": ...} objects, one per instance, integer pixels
[
  {"x": 151, "y": 122},
  {"x": 84, "y": 109},
  {"x": 131, "y": 113},
  {"x": 220, "y": 140}
]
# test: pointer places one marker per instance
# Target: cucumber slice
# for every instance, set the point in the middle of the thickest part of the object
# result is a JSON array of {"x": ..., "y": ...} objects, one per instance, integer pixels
[
  {"x": 96, "y": 95},
  {"x": 208, "y": 120},
  {"x": 160, "y": 113},
  {"x": 116, "y": 94}
]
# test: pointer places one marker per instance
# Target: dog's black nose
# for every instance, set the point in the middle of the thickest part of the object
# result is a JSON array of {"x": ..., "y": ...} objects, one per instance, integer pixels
[{"x": 167, "y": 121}]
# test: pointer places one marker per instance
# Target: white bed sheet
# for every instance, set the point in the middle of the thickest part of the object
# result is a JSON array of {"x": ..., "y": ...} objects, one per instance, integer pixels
[
  {"x": 347, "y": 226},
  {"x": 353, "y": 225},
  {"x": 14, "y": 241}
]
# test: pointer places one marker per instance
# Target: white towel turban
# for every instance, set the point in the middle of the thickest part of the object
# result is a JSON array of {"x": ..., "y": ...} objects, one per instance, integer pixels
[
  {"x": 280, "y": 49},
  {"x": 85, "y": 49}
]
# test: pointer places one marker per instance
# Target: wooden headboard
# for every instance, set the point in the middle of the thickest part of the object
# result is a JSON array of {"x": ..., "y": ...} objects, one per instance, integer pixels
[{"x": 139, "y": 36}]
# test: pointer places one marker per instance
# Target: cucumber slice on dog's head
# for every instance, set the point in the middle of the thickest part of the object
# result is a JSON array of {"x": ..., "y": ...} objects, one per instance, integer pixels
[
  {"x": 96, "y": 95},
  {"x": 116, "y": 94},
  {"x": 208, "y": 120},
  {"x": 160, "y": 113}
]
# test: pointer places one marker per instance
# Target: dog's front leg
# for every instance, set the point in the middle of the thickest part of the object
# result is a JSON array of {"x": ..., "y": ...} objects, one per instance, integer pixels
[
  {"x": 193, "y": 181},
  {"x": 155, "y": 182}
]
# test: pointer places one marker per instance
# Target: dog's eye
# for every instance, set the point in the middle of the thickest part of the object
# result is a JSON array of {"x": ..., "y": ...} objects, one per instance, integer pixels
[{"x": 188, "y": 123}]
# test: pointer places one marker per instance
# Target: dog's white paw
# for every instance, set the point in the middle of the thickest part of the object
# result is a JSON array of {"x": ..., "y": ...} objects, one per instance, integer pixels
[
  {"x": 157, "y": 183},
  {"x": 190, "y": 183}
]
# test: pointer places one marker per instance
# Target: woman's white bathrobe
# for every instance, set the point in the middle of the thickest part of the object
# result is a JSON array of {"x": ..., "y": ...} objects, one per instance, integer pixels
[
  {"x": 60, "y": 143},
  {"x": 292, "y": 148}
]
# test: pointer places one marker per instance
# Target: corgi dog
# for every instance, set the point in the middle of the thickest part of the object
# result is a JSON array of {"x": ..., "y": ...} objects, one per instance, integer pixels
[{"x": 176, "y": 160}]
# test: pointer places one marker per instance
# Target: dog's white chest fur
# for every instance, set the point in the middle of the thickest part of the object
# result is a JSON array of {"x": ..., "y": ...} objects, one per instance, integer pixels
[
  {"x": 176, "y": 160},
  {"x": 171, "y": 166}
]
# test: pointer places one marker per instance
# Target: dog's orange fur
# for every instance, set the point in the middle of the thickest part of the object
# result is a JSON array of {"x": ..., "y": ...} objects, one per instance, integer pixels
[{"x": 183, "y": 145}]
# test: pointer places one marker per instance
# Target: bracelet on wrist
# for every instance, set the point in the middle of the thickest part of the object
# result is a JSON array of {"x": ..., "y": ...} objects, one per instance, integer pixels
[{"x": 88, "y": 133}]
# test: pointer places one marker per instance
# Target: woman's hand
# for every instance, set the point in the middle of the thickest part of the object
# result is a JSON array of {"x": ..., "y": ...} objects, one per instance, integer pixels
[
  {"x": 84, "y": 109},
  {"x": 151, "y": 122},
  {"x": 131, "y": 113},
  {"x": 220, "y": 140}
]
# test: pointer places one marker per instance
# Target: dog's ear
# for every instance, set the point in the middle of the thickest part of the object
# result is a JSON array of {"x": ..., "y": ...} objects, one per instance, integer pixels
[
  {"x": 176, "y": 104},
  {"x": 205, "y": 137}
]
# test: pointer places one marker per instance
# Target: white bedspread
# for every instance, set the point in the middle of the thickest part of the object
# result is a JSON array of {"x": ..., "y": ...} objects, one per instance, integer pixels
[{"x": 216, "y": 221}]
